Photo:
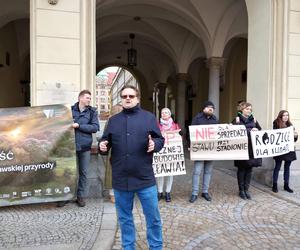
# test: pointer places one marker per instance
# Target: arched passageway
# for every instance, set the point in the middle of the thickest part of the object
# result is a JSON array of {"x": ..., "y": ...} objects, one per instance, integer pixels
[
  {"x": 14, "y": 54},
  {"x": 180, "y": 49}
]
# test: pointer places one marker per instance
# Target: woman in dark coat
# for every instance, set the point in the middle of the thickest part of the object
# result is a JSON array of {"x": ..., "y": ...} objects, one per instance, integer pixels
[
  {"x": 245, "y": 117},
  {"x": 283, "y": 121}
]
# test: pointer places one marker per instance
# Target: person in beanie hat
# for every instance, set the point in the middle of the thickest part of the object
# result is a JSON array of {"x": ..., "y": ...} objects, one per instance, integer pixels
[
  {"x": 208, "y": 104},
  {"x": 203, "y": 118}
]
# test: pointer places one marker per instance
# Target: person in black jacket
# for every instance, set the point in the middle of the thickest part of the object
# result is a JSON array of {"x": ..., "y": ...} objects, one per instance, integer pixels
[
  {"x": 245, "y": 117},
  {"x": 203, "y": 118},
  {"x": 85, "y": 124},
  {"x": 133, "y": 135},
  {"x": 283, "y": 121}
]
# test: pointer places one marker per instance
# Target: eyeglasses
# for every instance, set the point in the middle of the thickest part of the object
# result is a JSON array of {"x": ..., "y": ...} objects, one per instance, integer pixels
[{"x": 128, "y": 96}]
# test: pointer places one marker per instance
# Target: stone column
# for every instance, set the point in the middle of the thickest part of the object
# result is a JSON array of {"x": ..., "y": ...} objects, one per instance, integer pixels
[
  {"x": 155, "y": 95},
  {"x": 182, "y": 80},
  {"x": 62, "y": 44},
  {"x": 214, "y": 64},
  {"x": 162, "y": 95}
]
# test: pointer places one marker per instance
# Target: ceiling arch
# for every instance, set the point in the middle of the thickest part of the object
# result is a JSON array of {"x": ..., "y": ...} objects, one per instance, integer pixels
[
  {"x": 170, "y": 34},
  {"x": 234, "y": 23},
  {"x": 181, "y": 13},
  {"x": 13, "y": 10}
]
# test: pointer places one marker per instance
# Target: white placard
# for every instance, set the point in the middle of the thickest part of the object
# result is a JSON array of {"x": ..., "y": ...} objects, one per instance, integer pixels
[
  {"x": 268, "y": 143},
  {"x": 170, "y": 159},
  {"x": 218, "y": 142}
]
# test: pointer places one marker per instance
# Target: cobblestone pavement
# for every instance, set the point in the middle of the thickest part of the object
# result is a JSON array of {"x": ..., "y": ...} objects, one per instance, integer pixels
[
  {"x": 294, "y": 182},
  {"x": 44, "y": 226},
  {"x": 265, "y": 222}
]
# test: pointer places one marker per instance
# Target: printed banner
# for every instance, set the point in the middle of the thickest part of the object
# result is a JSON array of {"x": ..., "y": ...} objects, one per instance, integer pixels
[
  {"x": 268, "y": 143},
  {"x": 218, "y": 142},
  {"x": 37, "y": 155},
  {"x": 170, "y": 159}
]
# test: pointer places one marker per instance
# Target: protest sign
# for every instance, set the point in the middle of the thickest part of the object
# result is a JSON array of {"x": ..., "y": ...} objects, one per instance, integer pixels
[
  {"x": 170, "y": 159},
  {"x": 37, "y": 155},
  {"x": 218, "y": 142},
  {"x": 268, "y": 143}
]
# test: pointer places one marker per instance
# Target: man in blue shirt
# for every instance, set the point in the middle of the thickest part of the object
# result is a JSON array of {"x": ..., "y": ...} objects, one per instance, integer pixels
[{"x": 133, "y": 135}]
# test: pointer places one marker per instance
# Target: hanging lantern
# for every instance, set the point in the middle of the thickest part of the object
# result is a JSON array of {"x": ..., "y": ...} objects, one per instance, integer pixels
[{"x": 131, "y": 53}]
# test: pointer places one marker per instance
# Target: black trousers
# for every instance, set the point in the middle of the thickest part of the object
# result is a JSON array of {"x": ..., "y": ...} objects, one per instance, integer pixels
[
  {"x": 286, "y": 173},
  {"x": 244, "y": 177}
]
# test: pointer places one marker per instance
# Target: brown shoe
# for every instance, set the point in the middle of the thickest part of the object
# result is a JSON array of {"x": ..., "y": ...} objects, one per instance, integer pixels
[{"x": 81, "y": 202}]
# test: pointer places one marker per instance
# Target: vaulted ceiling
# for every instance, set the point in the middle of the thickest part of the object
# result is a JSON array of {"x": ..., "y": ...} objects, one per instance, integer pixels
[{"x": 170, "y": 34}]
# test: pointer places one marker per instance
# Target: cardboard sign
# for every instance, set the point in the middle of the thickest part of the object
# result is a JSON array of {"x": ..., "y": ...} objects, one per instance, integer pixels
[
  {"x": 268, "y": 143},
  {"x": 170, "y": 159},
  {"x": 218, "y": 142}
]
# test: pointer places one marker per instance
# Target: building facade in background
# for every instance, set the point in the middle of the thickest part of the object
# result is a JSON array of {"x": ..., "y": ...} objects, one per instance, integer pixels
[
  {"x": 122, "y": 77},
  {"x": 186, "y": 52},
  {"x": 102, "y": 94}
]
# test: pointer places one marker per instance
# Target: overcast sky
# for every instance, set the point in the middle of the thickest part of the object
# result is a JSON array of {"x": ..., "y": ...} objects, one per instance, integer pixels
[{"x": 109, "y": 69}]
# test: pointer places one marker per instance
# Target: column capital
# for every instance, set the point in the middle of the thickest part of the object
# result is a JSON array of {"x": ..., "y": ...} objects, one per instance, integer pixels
[
  {"x": 215, "y": 62},
  {"x": 182, "y": 77},
  {"x": 161, "y": 84}
]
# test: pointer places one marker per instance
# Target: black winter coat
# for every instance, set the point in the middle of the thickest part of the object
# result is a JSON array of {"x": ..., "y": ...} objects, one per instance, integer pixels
[
  {"x": 88, "y": 124},
  {"x": 202, "y": 119},
  {"x": 249, "y": 123},
  {"x": 290, "y": 156},
  {"x": 127, "y": 134}
]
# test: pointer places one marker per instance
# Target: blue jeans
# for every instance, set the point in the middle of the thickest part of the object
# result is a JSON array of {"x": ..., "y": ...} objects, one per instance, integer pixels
[
  {"x": 124, "y": 205},
  {"x": 286, "y": 171},
  {"x": 83, "y": 162},
  {"x": 199, "y": 165}
]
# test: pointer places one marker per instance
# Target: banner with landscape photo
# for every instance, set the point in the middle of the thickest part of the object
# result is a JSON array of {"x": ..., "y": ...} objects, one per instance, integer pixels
[{"x": 37, "y": 155}]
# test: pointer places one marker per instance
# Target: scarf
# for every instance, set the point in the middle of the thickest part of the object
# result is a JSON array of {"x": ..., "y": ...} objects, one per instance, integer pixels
[{"x": 166, "y": 124}]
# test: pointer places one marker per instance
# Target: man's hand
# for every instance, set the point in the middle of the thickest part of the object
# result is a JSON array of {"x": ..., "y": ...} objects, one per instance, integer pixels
[
  {"x": 151, "y": 144},
  {"x": 75, "y": 125},
  {"x": 103, "y": 146}
]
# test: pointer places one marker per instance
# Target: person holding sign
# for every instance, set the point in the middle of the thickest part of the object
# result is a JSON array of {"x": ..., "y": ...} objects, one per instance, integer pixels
[
  {"x": 166, "y": 123},
  {"x": 133, "y": 135},
  {"x": 283, "y": 121},
  {"x": 245, "y": 117},
  {"x": 203, "y": 118}
]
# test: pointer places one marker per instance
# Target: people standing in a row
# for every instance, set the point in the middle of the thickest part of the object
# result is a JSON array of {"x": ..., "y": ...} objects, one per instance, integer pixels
[
  {"x": 133, "y": 135},
  {"x": 166, "y": 123},
  {"x": 203, "y": 118},
  {"x": 244, "y": 173},
  {"x": 283, "y": 121}
]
